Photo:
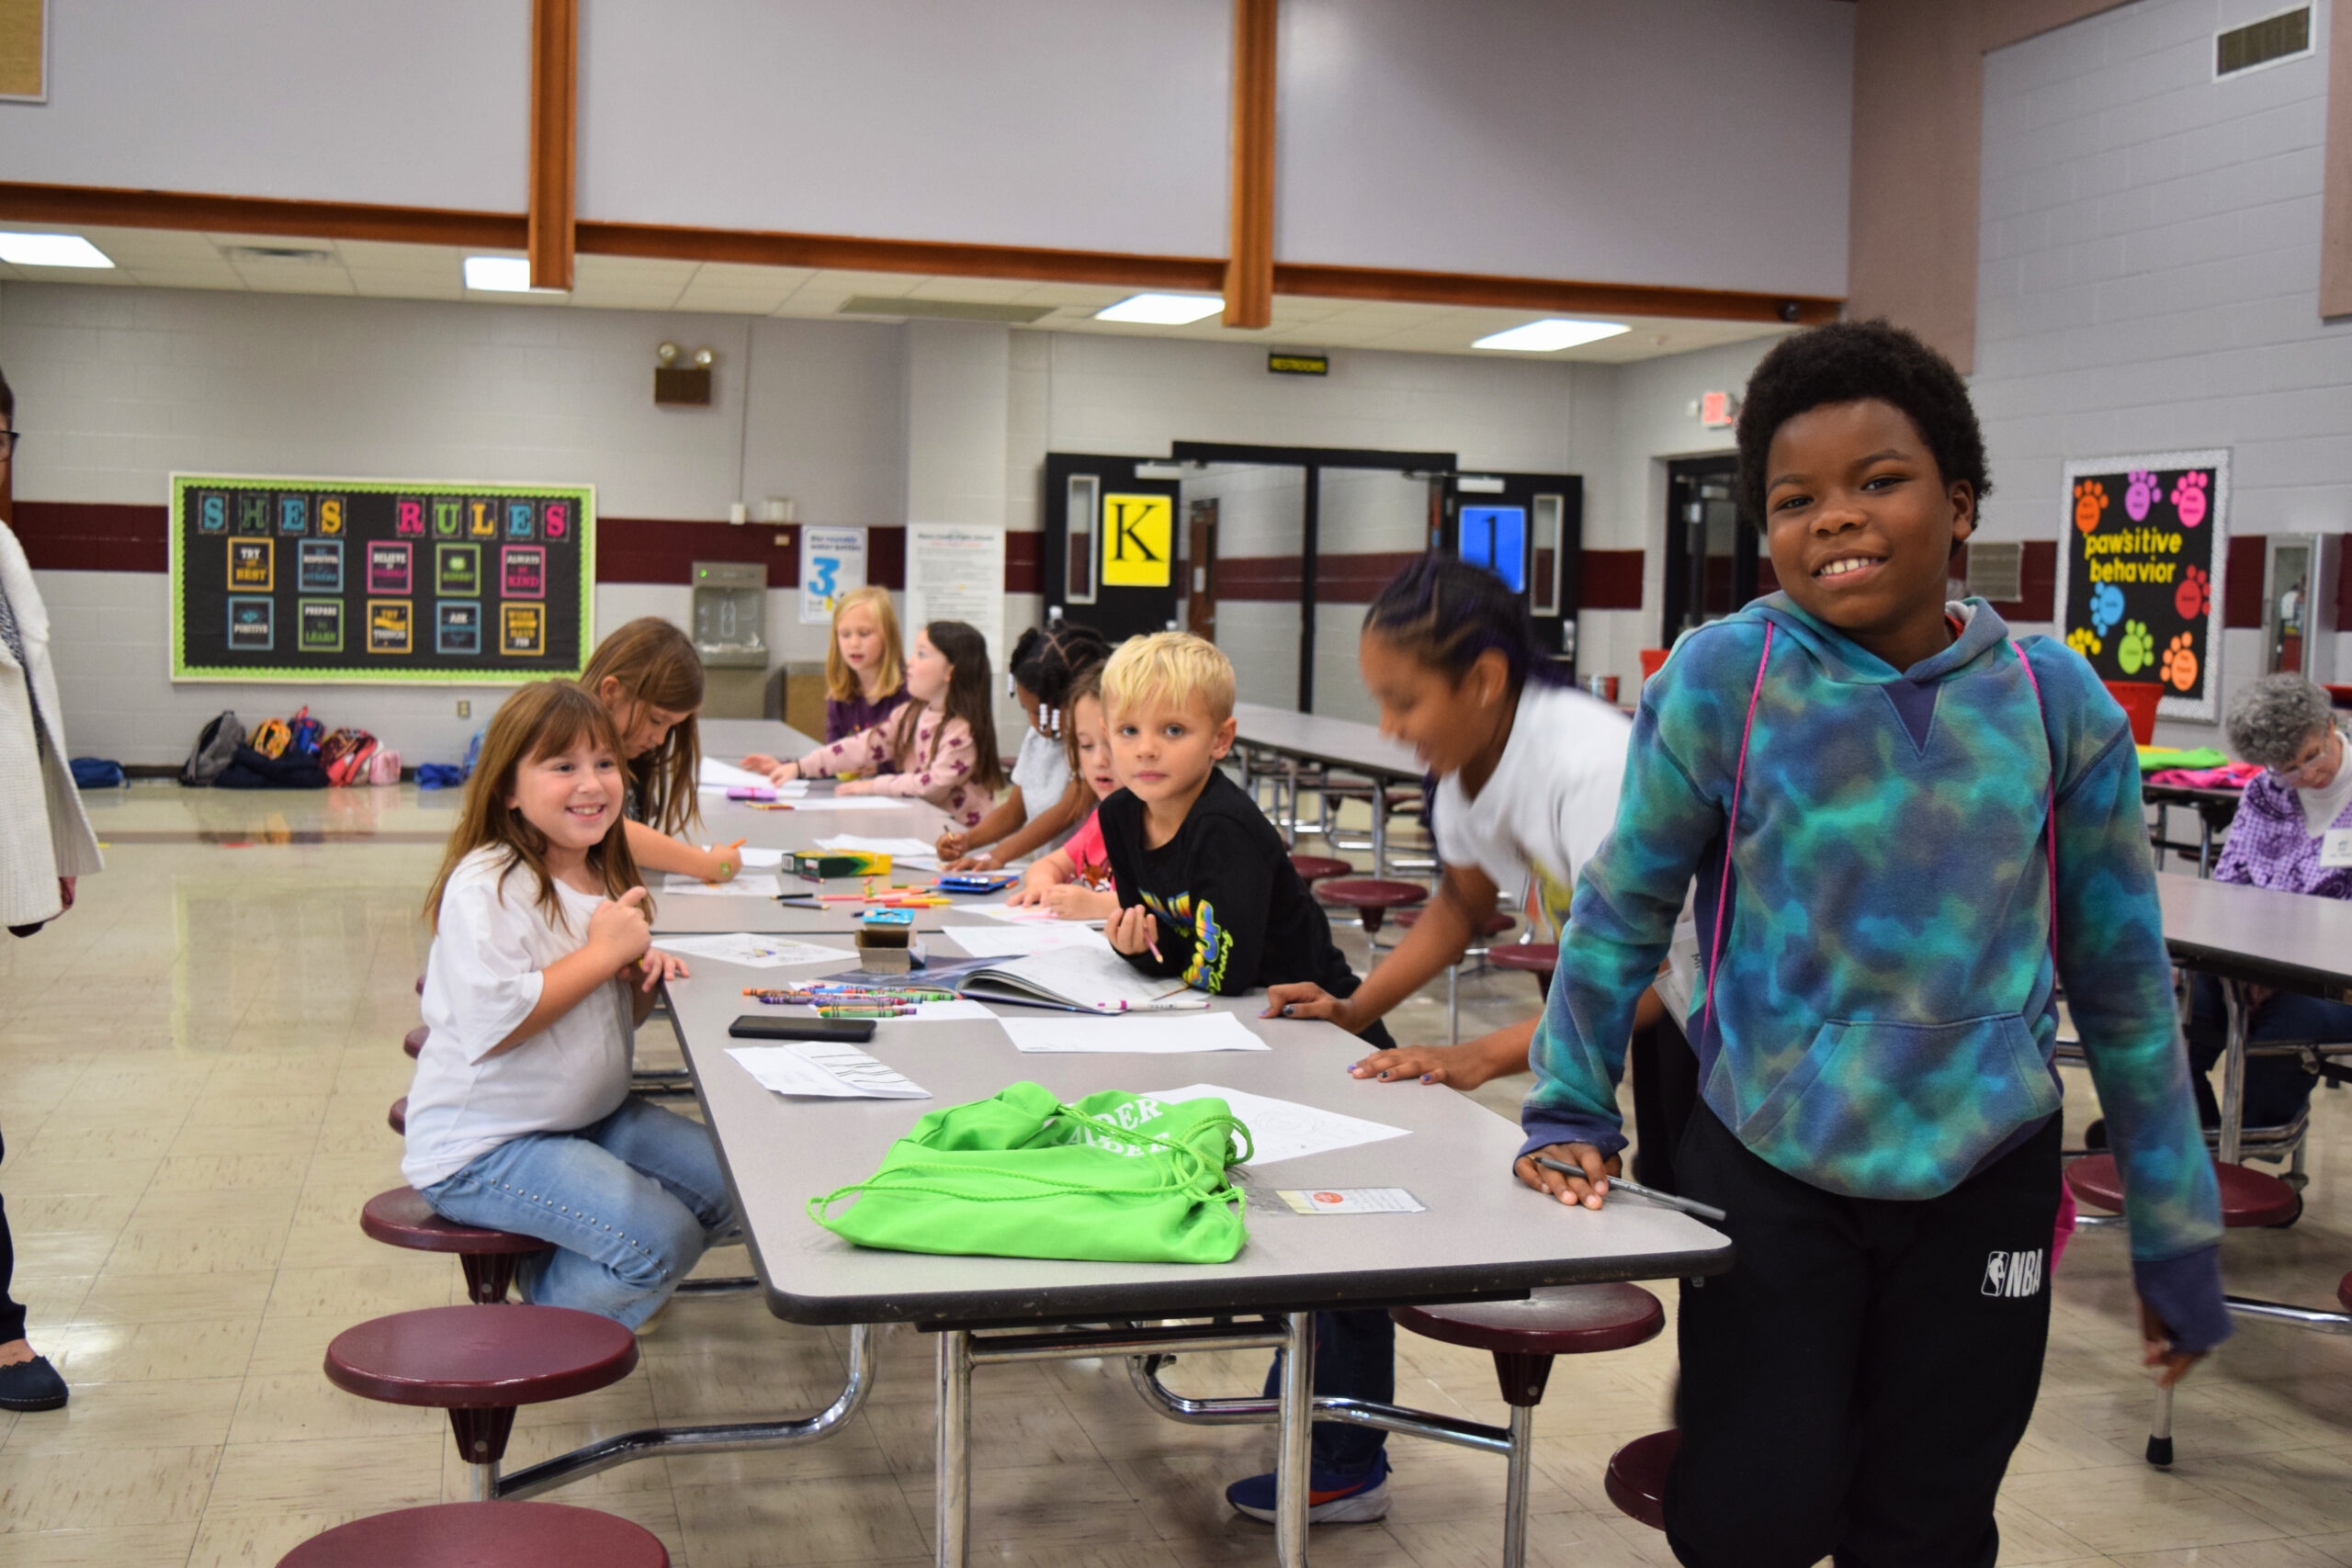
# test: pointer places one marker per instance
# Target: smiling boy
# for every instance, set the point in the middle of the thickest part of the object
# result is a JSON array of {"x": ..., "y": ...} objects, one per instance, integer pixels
[{"x": 1906, "y": 829}]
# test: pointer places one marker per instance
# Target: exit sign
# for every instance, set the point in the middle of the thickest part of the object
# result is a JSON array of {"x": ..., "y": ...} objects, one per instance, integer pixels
[
  {"x": 1717, "y": 409},
  {"x": 1286, "y": 364}
]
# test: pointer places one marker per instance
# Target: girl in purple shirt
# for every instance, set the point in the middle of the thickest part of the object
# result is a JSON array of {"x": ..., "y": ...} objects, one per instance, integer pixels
[{"x": 865, "y": 681}]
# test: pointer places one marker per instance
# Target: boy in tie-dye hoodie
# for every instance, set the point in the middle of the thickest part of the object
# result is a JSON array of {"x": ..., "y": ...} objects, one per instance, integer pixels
[{"x": 1905, "y": 830}]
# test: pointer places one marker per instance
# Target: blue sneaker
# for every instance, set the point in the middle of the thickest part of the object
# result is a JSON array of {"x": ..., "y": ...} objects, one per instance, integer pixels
[{"x": 1331, "y": 1499}]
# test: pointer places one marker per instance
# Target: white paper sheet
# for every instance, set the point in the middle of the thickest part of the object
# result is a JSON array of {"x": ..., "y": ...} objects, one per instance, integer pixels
[
  {"x": 897, "y": 849},
  {"x": 723, "y": 776},
  {"x": 1026, "y": 915},
  {"x": 752, "y": 952},
  {"x": 942, "y": 1012},
  {"x": 1284, "y": 1128},
  {"x": 1167, "y": 1037},
  {"x": 751, "y": 884},
  {"x": 1017, "y": 941},
  {"x": 852, "y": 803},
  {"x": 827, "y": 1071}
]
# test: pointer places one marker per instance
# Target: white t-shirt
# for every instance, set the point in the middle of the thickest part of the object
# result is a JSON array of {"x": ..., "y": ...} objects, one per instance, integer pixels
[
  {"x": 1041, "y": 769},
  {"x": 482, "y": 980},
  {"x": 1552, "y": 800}
]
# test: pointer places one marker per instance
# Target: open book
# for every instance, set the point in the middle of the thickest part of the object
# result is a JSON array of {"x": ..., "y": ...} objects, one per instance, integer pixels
[{"x": 1075, "y": 979}]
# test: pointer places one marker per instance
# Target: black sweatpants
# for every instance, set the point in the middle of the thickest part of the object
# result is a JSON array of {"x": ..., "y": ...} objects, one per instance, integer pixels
[
  {"x": 12, "y": 1316},
  {"x": 1855, "y": 1384}
]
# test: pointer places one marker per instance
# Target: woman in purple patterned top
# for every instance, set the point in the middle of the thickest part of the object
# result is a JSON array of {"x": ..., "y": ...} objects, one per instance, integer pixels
[{"x": 2293, "y": 834}]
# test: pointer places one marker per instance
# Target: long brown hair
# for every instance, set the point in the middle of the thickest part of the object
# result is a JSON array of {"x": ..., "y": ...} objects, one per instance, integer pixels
[
  {"x": 656, "y": 667},
  {"x": 545, "y": 719},
  {"x": 841, "y": 680},
  {"x": 968, "y": 698}
]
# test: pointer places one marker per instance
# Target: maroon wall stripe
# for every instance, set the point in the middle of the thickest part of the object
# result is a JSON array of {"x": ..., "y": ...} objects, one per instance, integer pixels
[
  {"x": 1277, "y": 580},
  {"x": 1612, "y": 580},
  {"x": 1358, "y": 579},
  {"x": 2241, "y": 595},
  {"x": 66, "y": 535}
]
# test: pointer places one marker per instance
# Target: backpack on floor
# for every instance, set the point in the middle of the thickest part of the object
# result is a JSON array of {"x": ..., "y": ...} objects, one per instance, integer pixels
[
  {"x": 384, "y": 766},
  {"x": 303, "y": 732},
  {"x": 345, "y": 755},
  {"x": 96, "y": 772},
  {"x": 215, "y": 748},
  {"x": 270, "y": 738}
]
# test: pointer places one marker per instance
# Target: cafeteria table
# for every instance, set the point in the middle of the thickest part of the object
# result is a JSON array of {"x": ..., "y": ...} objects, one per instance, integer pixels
[
  {"x": 1482, "y": 1236},
  {"x": 1324, "y": 742}
]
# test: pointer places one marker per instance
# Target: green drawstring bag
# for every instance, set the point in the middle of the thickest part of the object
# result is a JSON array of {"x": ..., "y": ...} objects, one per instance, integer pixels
[{"x": 1117, "y": 1178}]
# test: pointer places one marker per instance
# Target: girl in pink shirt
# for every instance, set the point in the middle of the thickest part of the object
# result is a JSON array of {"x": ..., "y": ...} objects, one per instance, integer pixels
[{"x": 1074, "y": 881}]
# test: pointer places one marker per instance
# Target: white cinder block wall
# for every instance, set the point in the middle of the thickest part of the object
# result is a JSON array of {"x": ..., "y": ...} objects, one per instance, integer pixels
[{"x": 2148, "y": 276}]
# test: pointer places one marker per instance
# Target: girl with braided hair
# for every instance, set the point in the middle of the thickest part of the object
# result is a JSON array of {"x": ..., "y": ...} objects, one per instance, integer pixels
[{"x": 1045, "y": 804}]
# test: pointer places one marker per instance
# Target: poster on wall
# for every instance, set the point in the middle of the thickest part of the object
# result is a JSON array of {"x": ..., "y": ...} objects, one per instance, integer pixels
[
  {"x": 379, "y": 581},
  {"x": 955, "y": 573},
  {"x": 833, "y": 561},
  {"x": 2139, "y": 572}
]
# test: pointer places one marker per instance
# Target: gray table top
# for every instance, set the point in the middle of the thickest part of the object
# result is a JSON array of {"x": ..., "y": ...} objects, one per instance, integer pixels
[
  {"x": 761, "y": 915},
  {"x": 1482, "y": 1236},
  {"x": 2293, "y": 941},
  {"x": 732, "y": 739},
  {"x": 1341, "y": 742}
]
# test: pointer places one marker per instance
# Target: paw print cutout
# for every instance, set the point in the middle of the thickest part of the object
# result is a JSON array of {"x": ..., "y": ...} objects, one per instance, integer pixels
[
  {"x": 2144, "y": 492},
  {"x": 2090, "y": 499},
  {"x": 2137, "y": 649},
  {"x": 2180, "y": 663},
  {"x": 2085, "y": 641},
  {"x": 2193, "y": 594},
  {"x": 2192, "y": 497},
  {"x": 2107, "y": 607}
]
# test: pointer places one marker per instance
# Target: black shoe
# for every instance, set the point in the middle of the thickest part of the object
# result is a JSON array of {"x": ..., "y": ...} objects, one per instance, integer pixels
[{"x": 31, "y": 1386}]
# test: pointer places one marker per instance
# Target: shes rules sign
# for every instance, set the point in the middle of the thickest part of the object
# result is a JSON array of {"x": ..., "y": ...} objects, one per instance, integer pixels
[{"x": 2139, "y": 572}]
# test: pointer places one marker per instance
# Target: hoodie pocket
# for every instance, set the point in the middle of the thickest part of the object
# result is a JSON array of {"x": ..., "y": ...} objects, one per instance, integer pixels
[{"x": 1886, "y": 1110}]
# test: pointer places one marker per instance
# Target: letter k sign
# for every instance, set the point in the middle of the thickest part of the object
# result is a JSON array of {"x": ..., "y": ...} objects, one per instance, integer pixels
[{"x": 1139, "y": 540}]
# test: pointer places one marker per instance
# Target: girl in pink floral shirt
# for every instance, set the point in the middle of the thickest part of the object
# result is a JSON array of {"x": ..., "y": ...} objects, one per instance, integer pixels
[{"x": 941, "y": 746}]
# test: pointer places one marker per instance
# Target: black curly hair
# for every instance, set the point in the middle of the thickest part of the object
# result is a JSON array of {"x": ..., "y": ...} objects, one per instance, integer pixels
[{"x": 1847, "y": 361}]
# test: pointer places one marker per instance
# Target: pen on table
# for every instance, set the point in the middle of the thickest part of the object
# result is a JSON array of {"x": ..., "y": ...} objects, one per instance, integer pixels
[{"x": 1664, "y": 1200}]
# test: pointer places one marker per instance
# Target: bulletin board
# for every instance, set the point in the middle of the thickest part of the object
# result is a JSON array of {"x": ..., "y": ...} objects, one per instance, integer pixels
[
  {"x": 379, "y": 581},
  {"x": 2139, "y": 572}
]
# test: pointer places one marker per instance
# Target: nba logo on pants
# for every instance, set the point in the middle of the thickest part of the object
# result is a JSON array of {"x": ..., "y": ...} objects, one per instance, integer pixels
[{"x": 2012, "y": 1274}]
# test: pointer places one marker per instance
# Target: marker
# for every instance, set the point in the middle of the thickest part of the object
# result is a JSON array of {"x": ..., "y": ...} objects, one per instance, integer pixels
[{"x": 1664, "y": 1200}]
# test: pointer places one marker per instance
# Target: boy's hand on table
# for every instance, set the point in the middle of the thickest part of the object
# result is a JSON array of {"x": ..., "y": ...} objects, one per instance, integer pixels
[
  {"x": 1304, "y": 998},
  {"x": 1130, "y": 931},
  {"x": 1584, "y": 1190},
  {"x": 2155, "y": 1349},
  {"x": 1428, "y": 1063}
]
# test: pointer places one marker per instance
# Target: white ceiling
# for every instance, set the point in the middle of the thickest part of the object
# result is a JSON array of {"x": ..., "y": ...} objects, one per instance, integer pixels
[{"x": 159, "y": 258}]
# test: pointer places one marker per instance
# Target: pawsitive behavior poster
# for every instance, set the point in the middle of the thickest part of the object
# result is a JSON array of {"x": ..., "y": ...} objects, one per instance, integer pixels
[{"x": 2140, "y": 571}]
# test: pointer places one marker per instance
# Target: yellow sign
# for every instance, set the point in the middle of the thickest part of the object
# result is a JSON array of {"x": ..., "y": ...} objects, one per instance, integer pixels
[{"x": 1138, "y": 540}]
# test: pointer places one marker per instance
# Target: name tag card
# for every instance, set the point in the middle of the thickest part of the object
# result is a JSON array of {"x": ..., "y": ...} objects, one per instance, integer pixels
[{"x": 2336, "y": 847}]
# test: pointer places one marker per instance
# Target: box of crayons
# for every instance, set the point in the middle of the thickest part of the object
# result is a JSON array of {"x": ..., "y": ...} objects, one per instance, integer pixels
[{"x": 815, "y": 865}]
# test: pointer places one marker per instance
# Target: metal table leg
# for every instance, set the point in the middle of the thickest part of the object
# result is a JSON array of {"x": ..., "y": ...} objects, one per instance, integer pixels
[
  {"x": 1296, "y": 1425},
  {"x": 2241, "y": 1017},
  {"x": 952, "y": 1455}
]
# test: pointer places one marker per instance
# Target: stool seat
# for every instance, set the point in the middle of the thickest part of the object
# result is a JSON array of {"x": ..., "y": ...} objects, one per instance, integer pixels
[
  {"x": 481, "y": 1357},
  {"x": 2248, "y": 1197},
  {"x": 397, "y": 1117},
  {"x": 413, "y": 1040},
  {"x": 1491, "y": 924},
  {"x": 1569, "y": 1320},
  {"x": 1314, "y": 868},
  {"x": 403, "y": 1218},
  {"x": 471, "y": 1535},
  {"x": 1535, "y": 958},
  {"x": 2344, "y": 1291},
  {"x": 1637, "y": 1479},
  {"x": 1371, "y": 897}
]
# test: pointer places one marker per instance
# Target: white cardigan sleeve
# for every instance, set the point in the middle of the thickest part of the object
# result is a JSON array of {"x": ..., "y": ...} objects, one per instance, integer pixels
[{"x": 44, "y": 832}]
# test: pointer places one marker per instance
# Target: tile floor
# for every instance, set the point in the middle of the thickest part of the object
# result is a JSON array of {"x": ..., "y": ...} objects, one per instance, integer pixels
[{"x": 194, "y": 1070}]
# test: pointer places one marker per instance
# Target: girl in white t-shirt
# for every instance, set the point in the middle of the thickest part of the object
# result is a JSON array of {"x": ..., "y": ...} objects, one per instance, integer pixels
[
  {"x": 542, "y": 966},
  {"x": 1527, "y": 769},
  {"x": 1074, "y": 881},
  {"x": 1045, "y": 802}
]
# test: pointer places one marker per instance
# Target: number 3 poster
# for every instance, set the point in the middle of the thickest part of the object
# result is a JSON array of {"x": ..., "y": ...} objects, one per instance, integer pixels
[{"x": 2139, "y": 572}]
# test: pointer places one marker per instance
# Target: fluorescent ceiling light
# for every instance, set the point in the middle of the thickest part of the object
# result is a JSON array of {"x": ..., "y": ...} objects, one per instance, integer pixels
[
  {"x": 1552, "y": 332},
  {"x": 502, "y": 275},
  {"x": 51, "y": 250},
  {"x": 1162, "y": 309}
]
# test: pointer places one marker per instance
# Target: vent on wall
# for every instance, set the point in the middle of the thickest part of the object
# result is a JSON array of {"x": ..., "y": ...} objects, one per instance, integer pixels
[
  {"x": 2283, "y": 37},
  {"x": 1996, "y": 572}
]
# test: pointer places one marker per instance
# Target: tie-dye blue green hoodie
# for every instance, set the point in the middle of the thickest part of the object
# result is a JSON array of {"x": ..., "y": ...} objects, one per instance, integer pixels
[{"x": 1885, "y": 1012}]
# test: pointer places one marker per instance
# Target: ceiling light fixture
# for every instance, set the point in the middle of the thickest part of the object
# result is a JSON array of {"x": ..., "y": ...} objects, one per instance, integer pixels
[
  {"x": 51, "y": 250},
  {"x": 1551, "y": 333},
  {"x": 502, "y": 275},
  {"x": 1162, "y": 309}
]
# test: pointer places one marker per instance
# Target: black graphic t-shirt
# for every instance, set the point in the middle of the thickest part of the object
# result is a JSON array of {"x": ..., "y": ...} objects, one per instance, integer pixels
[{"x": 1233, "y": 912}]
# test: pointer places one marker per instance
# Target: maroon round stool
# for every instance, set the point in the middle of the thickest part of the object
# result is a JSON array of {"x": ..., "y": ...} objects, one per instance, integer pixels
[
  {"x": 397, "y": 1117},
  {"x": 1537, "y": 958},
  {"x": 1523, "y": 1336},
  {"x": 1483, "y": 931},
  {"x": 1372, "y": 898},
  {"x": 2344, "y": 1291},
  {"x": 1636, "y": 1478},
  {"x": 2248, "y": 1197},
  {"x": 479, "y": 1363},
  {"x": 1313, "y": 869},
  {"x": 403, "y": 1218},
  {"x": 467, "y": 1535},
  {"x": 413, "y": 1040}
]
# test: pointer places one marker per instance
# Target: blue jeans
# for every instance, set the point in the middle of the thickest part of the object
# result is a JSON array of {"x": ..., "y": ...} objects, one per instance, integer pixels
[
  {"x": 1355, "y": 1355},
  {"x": 2277, "y": 1087},
  {"x": 629, "y": 1203}
]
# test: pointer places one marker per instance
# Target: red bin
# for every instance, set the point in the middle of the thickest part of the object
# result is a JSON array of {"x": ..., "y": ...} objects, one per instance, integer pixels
[{"x": 2139, "y": 699}]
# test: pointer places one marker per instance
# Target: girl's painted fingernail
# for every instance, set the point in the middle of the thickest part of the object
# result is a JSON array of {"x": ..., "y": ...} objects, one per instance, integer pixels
[
  {"x": 1383, "y": 1073},
  {"x": 1429, "y": 1077}
]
